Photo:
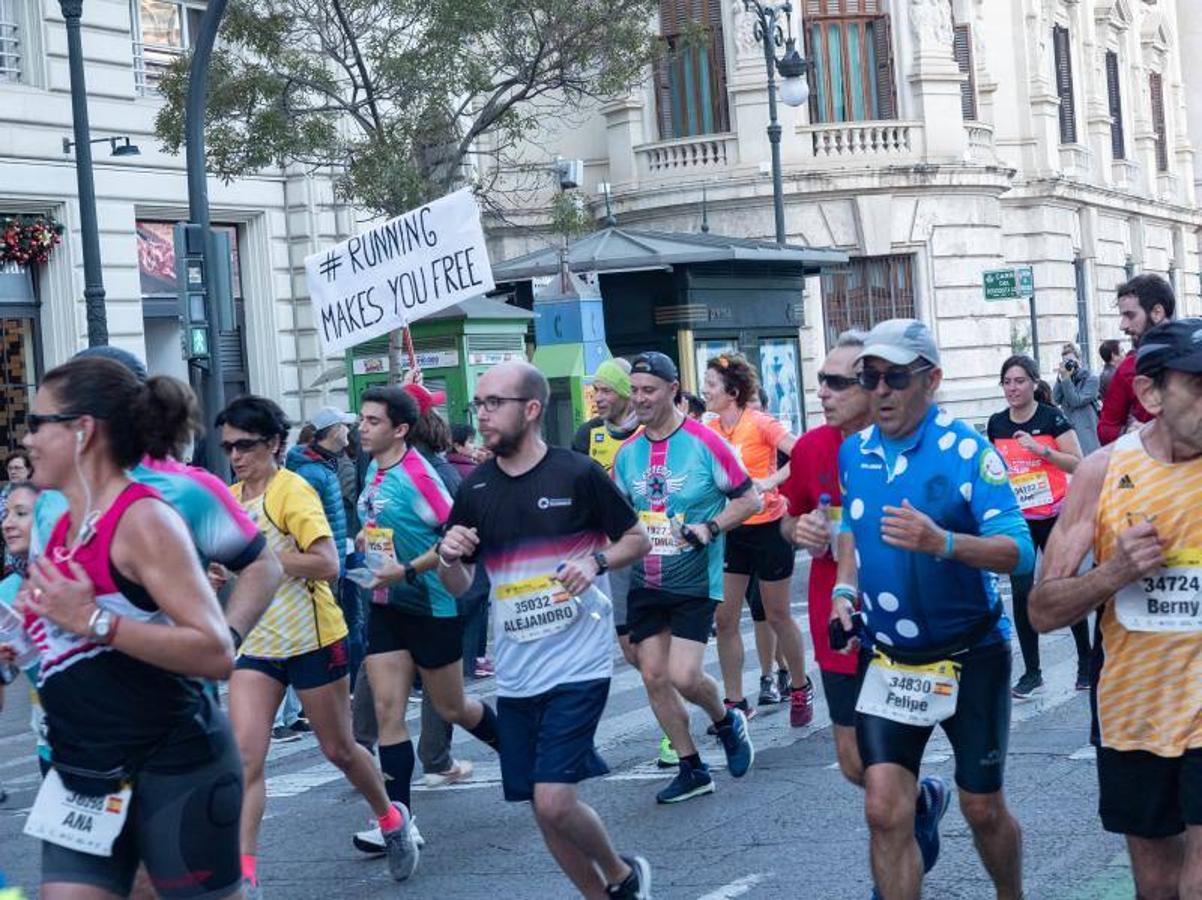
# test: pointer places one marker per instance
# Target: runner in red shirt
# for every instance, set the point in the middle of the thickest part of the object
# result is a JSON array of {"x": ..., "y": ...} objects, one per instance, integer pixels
[{"x": 814, "y": 474}]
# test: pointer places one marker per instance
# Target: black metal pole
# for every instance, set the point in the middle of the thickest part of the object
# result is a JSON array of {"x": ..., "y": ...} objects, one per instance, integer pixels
[
  {"x": 212, "y": 379},
  {"x": 1034, "y": 331},
  {"x": 93, "y": 277},
  {"x": 766, "y": 33}
]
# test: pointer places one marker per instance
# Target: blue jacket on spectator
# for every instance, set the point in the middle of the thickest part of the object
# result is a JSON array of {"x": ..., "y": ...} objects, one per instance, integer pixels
[{"x": 320, "y": 469}]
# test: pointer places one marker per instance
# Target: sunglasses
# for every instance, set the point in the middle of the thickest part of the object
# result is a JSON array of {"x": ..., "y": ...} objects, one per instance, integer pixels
[
  {"x": 837, "y": 383},
  {"x": 242, "y": 445},
  {"x": 34, "y": 421},
  {"x": 895, "y": 379}
]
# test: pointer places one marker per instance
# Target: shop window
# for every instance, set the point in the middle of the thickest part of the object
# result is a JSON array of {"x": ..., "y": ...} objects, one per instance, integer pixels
[
  {"x": 848, "y": 43},
  {"x": 866, "y": 291},
  {"x": 20, "y": 353},
  {"x": 163, "y": 30},
  {"x": 690, "y": 73},
  {"x": 160, "y": 305}
]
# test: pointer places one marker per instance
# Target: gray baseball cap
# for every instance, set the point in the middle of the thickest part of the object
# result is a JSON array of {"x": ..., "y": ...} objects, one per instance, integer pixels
[
  {"x": 332, "y": 415},
  {"x": 901, "y": 341}
]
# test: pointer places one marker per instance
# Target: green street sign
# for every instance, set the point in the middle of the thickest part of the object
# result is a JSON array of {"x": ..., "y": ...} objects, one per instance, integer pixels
[
  {"x": 199, "y": 341},
  {"x": 1009, "y": 284}
]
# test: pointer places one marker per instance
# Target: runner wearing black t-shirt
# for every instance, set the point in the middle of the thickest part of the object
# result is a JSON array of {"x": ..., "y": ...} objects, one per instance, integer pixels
[
  {"x": 541, "y": 521},
  {"x": 1041, "y": 449}
]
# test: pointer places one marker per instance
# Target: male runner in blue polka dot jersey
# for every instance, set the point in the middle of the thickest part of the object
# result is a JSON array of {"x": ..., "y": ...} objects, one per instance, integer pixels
[{"x": 929, "y": 513}]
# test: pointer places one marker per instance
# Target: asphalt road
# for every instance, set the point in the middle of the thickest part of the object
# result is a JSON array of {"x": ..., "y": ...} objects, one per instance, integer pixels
[{"x": 791, "y": 828}]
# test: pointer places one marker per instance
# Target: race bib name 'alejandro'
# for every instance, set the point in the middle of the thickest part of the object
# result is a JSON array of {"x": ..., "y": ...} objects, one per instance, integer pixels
[
  {"x": 911, "y": 695},
  {"x": 1170, "y": 599},
  {"x": 535, "y": 608},
  {"x": 77, "y": 821}
]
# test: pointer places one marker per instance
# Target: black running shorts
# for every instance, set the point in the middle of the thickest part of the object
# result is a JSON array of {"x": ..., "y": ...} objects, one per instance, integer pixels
[
  {"x": 183, "y": 826},
  {"x": 432, "y": 641},
  {"x": 649, "y": 612},
  {"x": 979, "y": 731},
  {"x": 842, "y": 691},
  {"x": 314, "y": 669},
  {"x": 1149, "y": 796},
  {"x": 759, "y": 550}
]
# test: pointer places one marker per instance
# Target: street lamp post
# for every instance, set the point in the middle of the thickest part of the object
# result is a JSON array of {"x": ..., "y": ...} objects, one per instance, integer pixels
[
  {"x": 794, "y": 90},
  {"x": 93, "y": 279}
]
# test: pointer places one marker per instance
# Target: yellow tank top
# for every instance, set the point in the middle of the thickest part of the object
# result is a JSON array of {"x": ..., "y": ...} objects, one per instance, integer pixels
[{"x": 1149, "y": 693}]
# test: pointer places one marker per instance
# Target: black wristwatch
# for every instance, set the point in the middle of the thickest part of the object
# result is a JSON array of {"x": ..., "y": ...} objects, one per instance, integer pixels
[
  {"x": 602, "y": 563},
  {"x": 410, "y": 574},
  {"x": 713, "y": 527}
]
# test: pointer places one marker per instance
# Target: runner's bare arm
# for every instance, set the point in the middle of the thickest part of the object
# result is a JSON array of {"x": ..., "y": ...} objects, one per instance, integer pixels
[
  {"x": 849, "y": 574},
  {"x": 317, "y": 561},
  {"x": 1067, "y": 455},
  {"x": 253, "y": 591},
  {"x": 1062, "y": 597},
  {"x": 739, "y": 510},
  {"x": 152, "y": 547},
  {"x": 456, "y": 575}
]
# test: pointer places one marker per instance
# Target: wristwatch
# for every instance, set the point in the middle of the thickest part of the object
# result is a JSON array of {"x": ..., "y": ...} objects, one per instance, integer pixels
[
  {"x": 101, "y": 626},
  {"x": 410, "y": 573},
  {"x": 713, "y": 527},
  {"x": 602, "y": 563}
]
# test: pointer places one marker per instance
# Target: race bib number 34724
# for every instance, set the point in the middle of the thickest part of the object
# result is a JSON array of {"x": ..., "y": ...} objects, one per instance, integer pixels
[{"x": 1170, "y": 599}]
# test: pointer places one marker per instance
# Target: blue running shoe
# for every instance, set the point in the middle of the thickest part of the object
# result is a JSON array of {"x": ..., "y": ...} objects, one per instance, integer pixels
[
  {"x": 736, "y": 741},
  {"x": 687, "y": 784},
  {"x": 934, "y": 794}
]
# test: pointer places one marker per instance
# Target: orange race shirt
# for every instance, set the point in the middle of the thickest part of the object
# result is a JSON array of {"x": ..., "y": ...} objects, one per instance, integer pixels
[
  {"x": 1039, "y": 486},
  {"x": 756, "y": 437}
]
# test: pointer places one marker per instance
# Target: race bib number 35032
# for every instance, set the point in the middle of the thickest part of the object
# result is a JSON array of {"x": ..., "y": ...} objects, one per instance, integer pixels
[
  {"x": 77, "y": 821},
  {"x": 535, "y": 608},
  {"x": 1169, "y": 599}
]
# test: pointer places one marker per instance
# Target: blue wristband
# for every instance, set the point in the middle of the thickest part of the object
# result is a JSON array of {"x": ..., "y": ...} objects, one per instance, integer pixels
[{"x": 949, "y": 545}]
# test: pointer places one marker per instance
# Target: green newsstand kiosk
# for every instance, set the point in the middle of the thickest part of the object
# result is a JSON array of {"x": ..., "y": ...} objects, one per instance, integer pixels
[{"x": 454, "y": 347}]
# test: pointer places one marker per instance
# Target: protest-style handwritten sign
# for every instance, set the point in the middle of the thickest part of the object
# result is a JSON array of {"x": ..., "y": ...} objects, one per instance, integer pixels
[{"x": 414, "y": 265}]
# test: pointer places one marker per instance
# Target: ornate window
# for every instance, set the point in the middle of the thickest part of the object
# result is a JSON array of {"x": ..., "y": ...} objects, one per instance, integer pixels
[{"x": 849, "y": 45}]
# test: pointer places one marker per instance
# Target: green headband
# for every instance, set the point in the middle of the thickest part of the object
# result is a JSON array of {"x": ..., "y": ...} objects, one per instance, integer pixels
[{"x": 612, "y": 375}]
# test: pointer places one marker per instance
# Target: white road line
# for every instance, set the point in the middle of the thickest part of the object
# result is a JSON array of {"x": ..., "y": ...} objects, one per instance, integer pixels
[
  {"x": 1089, "y": 751},
  {"x": 736, "y": 888}
]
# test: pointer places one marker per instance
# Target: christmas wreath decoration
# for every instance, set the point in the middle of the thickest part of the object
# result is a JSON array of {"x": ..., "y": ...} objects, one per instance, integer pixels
[{"x": 28, "y": 240}]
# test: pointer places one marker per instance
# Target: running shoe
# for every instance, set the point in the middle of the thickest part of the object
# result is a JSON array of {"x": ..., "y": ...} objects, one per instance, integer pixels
[
  {"x": 687, "y": 784},
  {"x": 668, "y": 757},
  {"x": 740, "y": 753},
  {"x": 1030, "y": 684},
  {"x": 461, "y": 770},
  {"x": 934, "y": 794},
  {"x": 401, "y": 846},
  {"x": 283, "y": 734},
  {"x": 251, "y": 890},
  {"x": 1084, "y": 682},
  {"x": 769, "y": 693},
  {"x": 801, "y": 705},
  {"x": 742, "y": 706},
  {"x": 637, "y": 885},
  {"x": 371, "y": 841},
  {"x": 302, "y": 725},
  {"x": 484, "y": 667},
  {"x": 782, "y": 682}
]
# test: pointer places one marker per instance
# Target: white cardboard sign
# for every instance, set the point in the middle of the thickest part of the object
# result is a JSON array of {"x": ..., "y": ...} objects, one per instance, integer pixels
[{"x": 416, "y": 264}]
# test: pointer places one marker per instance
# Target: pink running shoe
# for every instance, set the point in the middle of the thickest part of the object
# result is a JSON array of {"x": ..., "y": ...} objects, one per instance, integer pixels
[{"x": 801, "y": 705}]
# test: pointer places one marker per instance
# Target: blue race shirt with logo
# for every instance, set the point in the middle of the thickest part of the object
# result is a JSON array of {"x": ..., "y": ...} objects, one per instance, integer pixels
[
  {"x": 690, "y": 474},
  {"x": 948, "y": 471}
]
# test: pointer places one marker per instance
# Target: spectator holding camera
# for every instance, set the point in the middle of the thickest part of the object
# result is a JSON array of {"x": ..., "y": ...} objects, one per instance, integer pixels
[{"x": 1076, "y": 393}]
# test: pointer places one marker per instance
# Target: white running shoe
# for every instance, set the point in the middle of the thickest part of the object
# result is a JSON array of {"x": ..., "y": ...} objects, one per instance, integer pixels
[{"x": 371, "y": 841}]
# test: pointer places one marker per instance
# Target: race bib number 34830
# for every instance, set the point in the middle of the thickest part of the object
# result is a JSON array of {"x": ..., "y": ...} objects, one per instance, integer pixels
[
  {"x": 911, "y": 695},
  {"x": 1169, "y": 599}
]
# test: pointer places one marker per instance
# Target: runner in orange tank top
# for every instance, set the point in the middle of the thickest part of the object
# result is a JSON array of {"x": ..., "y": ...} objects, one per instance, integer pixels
[{"x": 1138, "y": 505}]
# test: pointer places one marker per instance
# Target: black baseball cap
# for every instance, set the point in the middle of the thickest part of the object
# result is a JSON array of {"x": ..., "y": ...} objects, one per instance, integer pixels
[
  {"x": 655, "y": 363},
  {"x": 1176, "y": 344}
]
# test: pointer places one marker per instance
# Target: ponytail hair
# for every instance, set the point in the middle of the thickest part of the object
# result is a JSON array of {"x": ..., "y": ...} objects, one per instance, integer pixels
[{"x": 158, "y": 416}]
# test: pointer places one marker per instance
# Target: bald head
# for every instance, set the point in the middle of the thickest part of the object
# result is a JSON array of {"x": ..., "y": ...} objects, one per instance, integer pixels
[{"x": 516, "y": 379}]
